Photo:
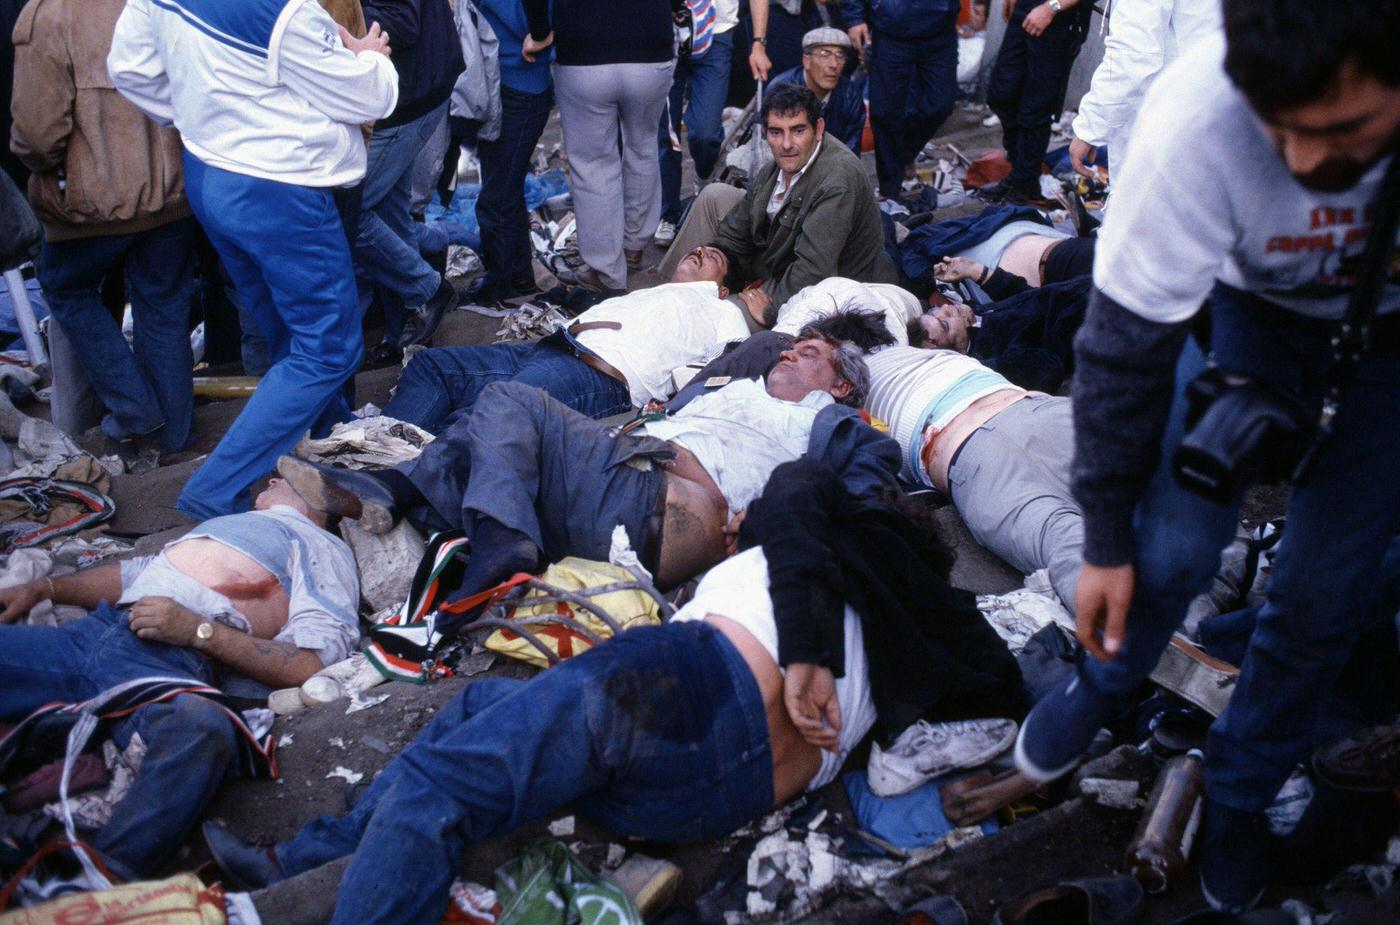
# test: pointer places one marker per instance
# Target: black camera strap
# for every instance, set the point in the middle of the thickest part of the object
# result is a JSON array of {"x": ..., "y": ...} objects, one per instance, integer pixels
[{"x": 1353, "y": 339}]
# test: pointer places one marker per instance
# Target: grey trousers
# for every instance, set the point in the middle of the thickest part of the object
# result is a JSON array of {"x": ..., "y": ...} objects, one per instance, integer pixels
[
  {"x": 530, "y": 462},
  {"x": 617, "y": 196},
  {"x": 1010, "y": 483},
  {"x": 711, "y": 206}
]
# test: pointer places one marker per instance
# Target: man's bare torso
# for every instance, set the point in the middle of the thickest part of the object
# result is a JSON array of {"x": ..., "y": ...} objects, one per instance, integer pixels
[{"x": 252, "y": 589}]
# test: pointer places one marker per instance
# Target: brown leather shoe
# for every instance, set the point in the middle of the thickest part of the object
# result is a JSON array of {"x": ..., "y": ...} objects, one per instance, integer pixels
[
  {"x": 1368, "y": 761},
  {"x": 342, "y": 492}
]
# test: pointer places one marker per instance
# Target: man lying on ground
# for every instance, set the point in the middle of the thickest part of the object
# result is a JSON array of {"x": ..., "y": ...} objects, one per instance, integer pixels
[
  {"x": 266, "y": 595},
  {"x": 807, "y": 216},
  {"x": 615, "y": 355},
  {"x": 674, "y": 733},
  {"x": 527, "y": 477},
  {"x": 999, "y": 452}
]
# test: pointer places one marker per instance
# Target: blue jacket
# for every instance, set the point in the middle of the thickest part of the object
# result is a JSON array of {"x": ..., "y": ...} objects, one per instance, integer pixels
[
  {"x": 902, "y": 19},
  {"x": 507, "y": 19},
  {"x": 844, "y": 111}
]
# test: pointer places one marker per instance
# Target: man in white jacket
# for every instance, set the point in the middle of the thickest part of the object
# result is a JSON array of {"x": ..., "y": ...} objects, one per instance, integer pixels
[
  {"x": 1144, "y": 36},
  {"x": 268, "y": 97}
]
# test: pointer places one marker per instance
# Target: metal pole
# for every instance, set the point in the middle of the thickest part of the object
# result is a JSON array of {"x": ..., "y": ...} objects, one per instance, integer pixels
[{"x": 28, "y": 324}]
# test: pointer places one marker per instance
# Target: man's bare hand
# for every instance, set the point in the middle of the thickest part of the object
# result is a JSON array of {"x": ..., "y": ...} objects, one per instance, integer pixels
[
  {"x": 757, "y": 302},
  {"x": 759, "y": 64},
  {"x": 20, "y": 599},
  {"x": 956, "y": 269},
  {"x": 1038, "y": 20},
  {"x": 809, "y": 693},
  {"x": 860, "y": 38},
  {"x": 375, "y": 40},
  {"x": 731, "y": 532},
  {"x": 1101, "y": 601},
  {"x": 160, "y": 619},
  {"x": 530, "y": 48},
  {"x": 1081, "y": 154}
]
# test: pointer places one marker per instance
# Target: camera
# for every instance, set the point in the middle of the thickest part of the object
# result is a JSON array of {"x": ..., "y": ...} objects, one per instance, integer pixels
[{"x": 1239, "y": 430}]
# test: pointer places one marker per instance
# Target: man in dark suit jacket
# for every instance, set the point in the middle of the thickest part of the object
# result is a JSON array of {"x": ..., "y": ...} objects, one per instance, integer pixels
[{"x": 807, "y": 216}]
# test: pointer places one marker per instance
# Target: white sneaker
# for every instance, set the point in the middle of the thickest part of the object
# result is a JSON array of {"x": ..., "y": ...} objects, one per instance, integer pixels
[
  {"x": 665, "y": 234},
  {"x": 925, "y": 751},
  {"x": 893, "y": 208}
]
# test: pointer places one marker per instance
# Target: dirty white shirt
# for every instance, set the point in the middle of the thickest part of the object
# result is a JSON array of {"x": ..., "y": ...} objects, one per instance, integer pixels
[
  {"x": 662, "y": 329},
  {"x": 737, "y": 588},
  {"x": 835, "y": 294},
  {"x": 315, "y": 569},
  {"x": 740, "y": 434}
]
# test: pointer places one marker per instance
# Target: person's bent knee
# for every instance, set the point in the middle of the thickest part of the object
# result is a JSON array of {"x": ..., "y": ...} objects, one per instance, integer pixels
[{"x": 203, "y": 722}]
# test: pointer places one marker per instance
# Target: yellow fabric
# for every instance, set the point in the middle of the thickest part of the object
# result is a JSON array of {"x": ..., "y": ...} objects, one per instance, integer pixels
[
  {"x": 180, "y": 900},
  {"x": 628, "y": 608}
]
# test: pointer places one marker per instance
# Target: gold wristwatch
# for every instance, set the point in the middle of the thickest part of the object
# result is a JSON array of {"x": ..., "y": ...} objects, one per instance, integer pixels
[{"x": 203, "y": 633}]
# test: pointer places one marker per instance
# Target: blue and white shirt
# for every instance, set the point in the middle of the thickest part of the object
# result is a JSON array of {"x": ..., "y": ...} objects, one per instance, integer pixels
[{"x": 257, "y": 87}]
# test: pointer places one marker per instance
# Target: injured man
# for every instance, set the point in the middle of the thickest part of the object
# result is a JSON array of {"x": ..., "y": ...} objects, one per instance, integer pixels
[
  {"x": 675, "y": 734},
  {"x": 267, "y": 596},
  {"x": 999, "y": 452},
  {"x": 528, "y": 478},
  {"x": 615, "y": 355}
]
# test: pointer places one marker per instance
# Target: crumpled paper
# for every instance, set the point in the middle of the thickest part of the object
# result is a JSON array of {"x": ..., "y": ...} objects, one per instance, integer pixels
[
  {"x": 1018, "y": 615},
  {"x": 377, "y": 442}
]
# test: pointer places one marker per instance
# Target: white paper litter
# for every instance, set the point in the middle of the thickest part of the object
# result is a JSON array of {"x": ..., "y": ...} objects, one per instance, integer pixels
[
  {"x": 345, "y": 774},
  {"x": 360, "y": 702}
]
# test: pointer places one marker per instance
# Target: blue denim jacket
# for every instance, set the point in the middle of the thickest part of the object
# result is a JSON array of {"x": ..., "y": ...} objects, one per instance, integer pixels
[{"x": 903, "y": 19}]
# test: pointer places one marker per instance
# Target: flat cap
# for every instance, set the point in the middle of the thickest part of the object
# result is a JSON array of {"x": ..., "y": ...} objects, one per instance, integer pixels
[{"x": 825, "y": 35}]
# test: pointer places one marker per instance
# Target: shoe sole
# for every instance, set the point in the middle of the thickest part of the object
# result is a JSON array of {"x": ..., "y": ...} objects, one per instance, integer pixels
[
  {"x": 319, "y": 492},
  {"x": 1218, "y": 906},
  {"x": 1032, "y": 770}
]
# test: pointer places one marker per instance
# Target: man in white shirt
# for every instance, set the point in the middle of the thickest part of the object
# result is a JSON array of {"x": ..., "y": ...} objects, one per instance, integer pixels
[
  {"x": 268, "y": 97},
  {"x": 267, "y": 595},
  {"x": 1143, "y": 38},
  {"x": 615, "y": 355}
]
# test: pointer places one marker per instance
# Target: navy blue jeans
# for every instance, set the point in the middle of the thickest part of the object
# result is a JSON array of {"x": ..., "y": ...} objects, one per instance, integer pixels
[
  {"x": 190, "y": 743},
  {"x": 440, "y": 385},
  {"x": 500, "y": 208},
  {"x": 913, "y": 85},
  {"x": 1026, "y": 88},
  {"x": 699, "y": 89},
  {"x": 148, "y": 386},
  {"x": 659, "y": 733},
  {"x": 1326, "y": 573}
]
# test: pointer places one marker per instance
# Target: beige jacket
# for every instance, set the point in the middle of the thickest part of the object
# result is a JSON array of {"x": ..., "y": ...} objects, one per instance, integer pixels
[{"x": 100, "y": 166}]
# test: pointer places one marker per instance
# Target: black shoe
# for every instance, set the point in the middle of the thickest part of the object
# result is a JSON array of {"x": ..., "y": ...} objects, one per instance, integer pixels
[
  {"x": 1003, "y": 192},
  {"x": 381, "y": 355},
  {"x": 422, "y": 323},
  {"x": 1234, "y": 871},
  {"x": 246, "y": 866},
  {"x": 1085, "y": 225},
  {"x": 1366, "y": 762},
  {"x": 342, "y": 492},
  {"x": 1096, "y": 901}
]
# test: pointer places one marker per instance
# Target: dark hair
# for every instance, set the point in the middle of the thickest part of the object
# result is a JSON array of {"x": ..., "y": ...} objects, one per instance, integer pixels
[
  {"x": 1287, "y": 53},
  {"x": 789, "y": 100},
  {"x": 917, "y": 335},
  {"x": 866, "y": 329}
]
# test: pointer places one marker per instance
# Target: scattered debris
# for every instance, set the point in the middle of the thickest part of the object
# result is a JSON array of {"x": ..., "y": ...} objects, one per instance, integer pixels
[
  {"x": 562, "y": 828},
  {"x": 337, "y": 742},
  {"x": 284, "y": 740},
  {"x": 360, "y": 702},
  {"x": 345, "y": 774},
  {"x": 1115, "y": 794}
]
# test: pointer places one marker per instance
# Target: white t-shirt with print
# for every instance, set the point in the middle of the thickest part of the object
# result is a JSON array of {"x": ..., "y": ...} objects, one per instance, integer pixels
[{"x": 1203, "y": 195}]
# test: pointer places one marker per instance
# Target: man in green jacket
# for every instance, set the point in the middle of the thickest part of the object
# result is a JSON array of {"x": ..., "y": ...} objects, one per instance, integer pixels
[{"x": 807, "y": 216}]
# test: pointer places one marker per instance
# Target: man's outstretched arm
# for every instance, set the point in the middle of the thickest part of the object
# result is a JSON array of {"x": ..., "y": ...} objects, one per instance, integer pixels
[
  {"x": 277, "y": 664},
  {"x": 87, "y": 588}
]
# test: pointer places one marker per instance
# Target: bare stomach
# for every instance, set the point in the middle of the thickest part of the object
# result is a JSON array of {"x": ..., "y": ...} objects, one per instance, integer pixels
[
  {"x": 1023, "y": 255},
  {"x": 940, "y": 447},
  {"x": 252, "y": 589},
  {"x": 692, "y": 534},
  {"x": 795, "y": 762}
]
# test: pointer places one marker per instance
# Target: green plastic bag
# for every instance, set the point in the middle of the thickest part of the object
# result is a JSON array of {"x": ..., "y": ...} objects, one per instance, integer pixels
[{"x": 547, "y": 885}]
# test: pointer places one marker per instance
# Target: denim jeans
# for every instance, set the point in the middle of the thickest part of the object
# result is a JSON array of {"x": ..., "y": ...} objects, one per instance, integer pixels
[
  {"x": 1325, "y": 575},
  {"x": 284, "y": 248},
  {"x": 700, "y": 86},
  {"x": 913, "y": 84},
  {"x": 191, "y": 745},
  {"x": 148, "y": 386},
  {"x": 500, "y": 208},
  {"x": 439, "y": 386},
  {"x": 386, "y": 244},
  {"x": 1026, "y": 88},
  {"x": 659, "y": 733}
]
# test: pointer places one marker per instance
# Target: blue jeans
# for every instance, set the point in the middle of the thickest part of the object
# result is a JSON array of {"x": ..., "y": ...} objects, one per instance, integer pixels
[
  {"x": 659, "y": 733},
  {"x": 191, "y": 745},
  {"x": 386, "y": 242},
  {"x": 148, "y": 386},
  {"x": 284, "y": 248},
  {"x": 500, "y": 209},
  {"x": 1325, "y": 575},
  {"x": 913, "y": 85},
  {"x": 704, "y": 82},
  {"x": 440, "y": 385}
]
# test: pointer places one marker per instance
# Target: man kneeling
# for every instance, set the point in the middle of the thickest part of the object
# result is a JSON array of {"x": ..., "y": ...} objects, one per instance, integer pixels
[{"x": 267, "y": 594}]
